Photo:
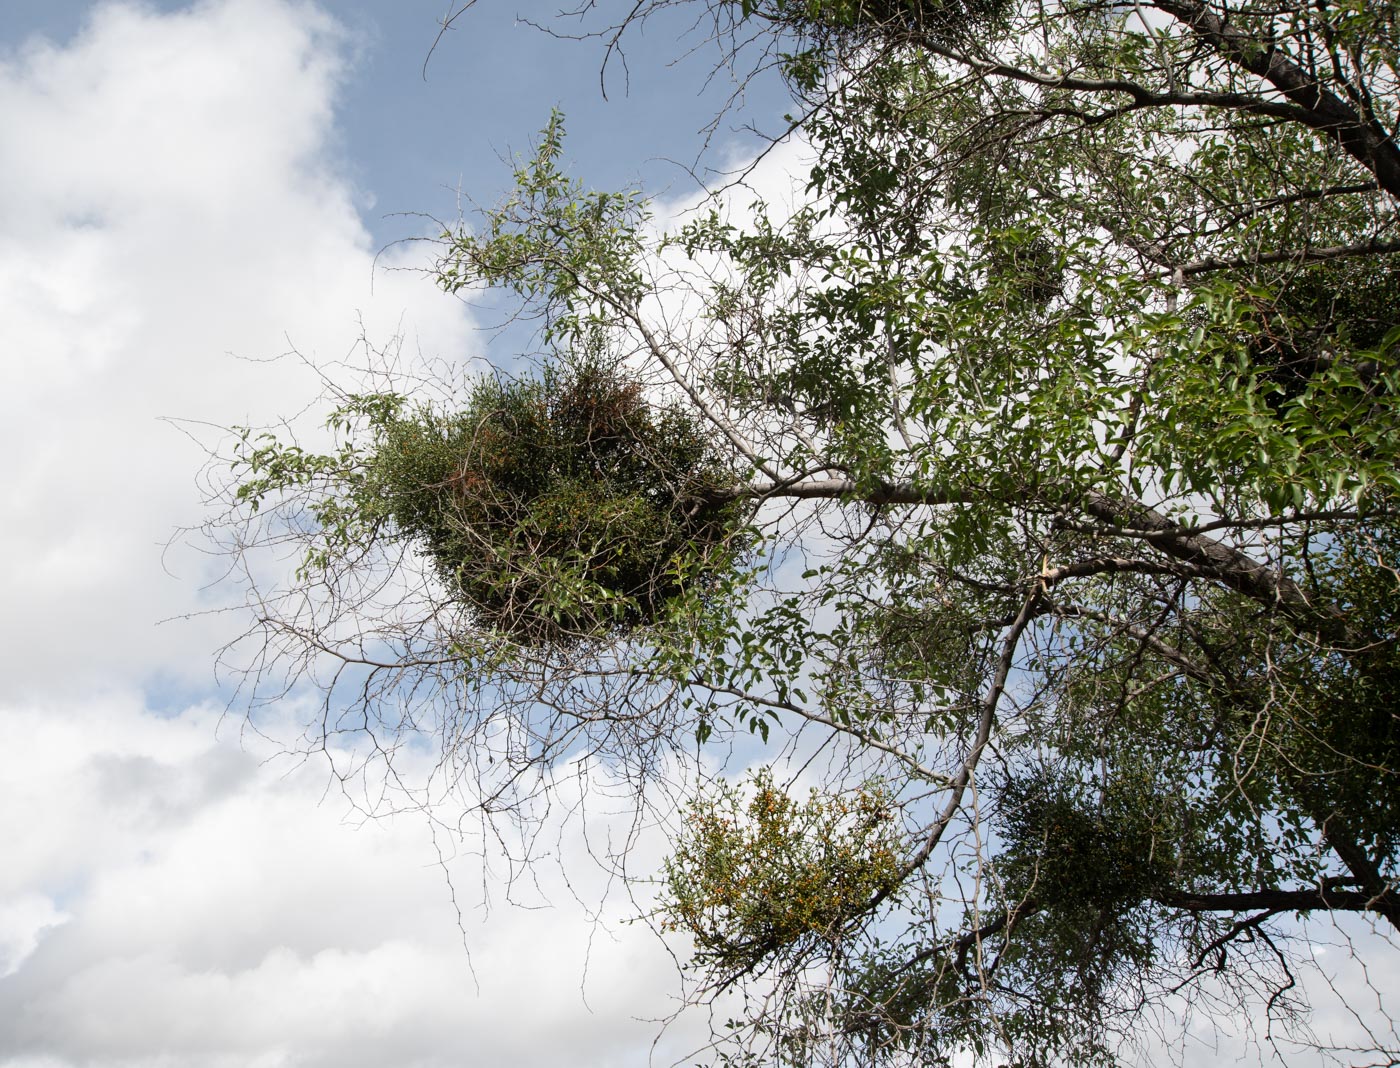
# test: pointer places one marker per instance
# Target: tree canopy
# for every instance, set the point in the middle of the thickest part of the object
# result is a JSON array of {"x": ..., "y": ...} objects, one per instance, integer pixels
[{"x": 1033, "y": 481}]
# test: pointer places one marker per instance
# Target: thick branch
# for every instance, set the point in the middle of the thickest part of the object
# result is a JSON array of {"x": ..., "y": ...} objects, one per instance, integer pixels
[
  {"x": 1307, "y": 102},
  {"x": 1237, "y": 570},
  {"x": 1318, "y": 108},
  {"x": 845, "y": 489},
  {"x": 1140, "y": 95},
  {"x": 1267, "y": 903},
  {"x": 1373, "y": 247},
  {"x": 1227, "y": 565},
  {"x": 1308, "y": 900},
  {"x": 1374, "y": 886}
]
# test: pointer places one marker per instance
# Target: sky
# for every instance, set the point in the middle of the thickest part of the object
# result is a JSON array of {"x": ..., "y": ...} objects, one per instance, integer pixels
[
  {"x": 191, "y": 191},
  {"x": 202, "y": 203}
]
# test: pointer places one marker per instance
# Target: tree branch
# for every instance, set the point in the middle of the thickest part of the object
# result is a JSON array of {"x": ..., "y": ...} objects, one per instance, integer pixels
[
  {"x": 1227, "y": 565},
  {"x": 1378, "y": 891},
  {"x": 1373, "y": 247},
  {"x": 1318, "y": 108},
  {"x": 1309, "y": 900}
]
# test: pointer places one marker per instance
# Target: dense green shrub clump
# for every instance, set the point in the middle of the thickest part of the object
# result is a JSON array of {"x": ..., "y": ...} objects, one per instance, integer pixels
[
  {"x": 750, "y": 879},
  {"x": 563, "y": 507}
]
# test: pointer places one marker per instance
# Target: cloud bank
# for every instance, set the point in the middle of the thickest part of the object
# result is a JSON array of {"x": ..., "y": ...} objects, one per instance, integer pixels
[{"x": 176, "y": 215}]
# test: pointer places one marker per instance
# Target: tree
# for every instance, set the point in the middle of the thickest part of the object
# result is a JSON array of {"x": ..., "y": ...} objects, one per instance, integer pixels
[{"x": 1074, "y": 386}]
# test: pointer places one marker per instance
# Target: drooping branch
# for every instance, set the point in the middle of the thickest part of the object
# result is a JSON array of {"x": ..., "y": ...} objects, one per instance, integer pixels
[
  {"x": 1165, "y": 650},
  {"x": 991, "y": 700},
  {"x": 867, "y": 739}
]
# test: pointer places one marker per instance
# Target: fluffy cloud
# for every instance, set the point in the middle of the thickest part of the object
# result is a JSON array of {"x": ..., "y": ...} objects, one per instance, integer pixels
[
  {"x": 172, "y": 210},
  {"x": 201, "y": 904},
  {"x": 175, "y": 216}
]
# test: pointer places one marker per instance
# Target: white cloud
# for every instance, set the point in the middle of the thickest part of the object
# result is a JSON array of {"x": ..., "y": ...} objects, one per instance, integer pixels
[
  {"x": 171, "y": 897},
  {"x": 24, "y": 920},
  {"x": 174, "y": 204}
]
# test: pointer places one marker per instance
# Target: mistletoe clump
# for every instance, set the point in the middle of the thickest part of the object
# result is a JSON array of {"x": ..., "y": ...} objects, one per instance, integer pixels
[
  {"x": 749, "y": 880},
  {"x": 560, "y": 508}
]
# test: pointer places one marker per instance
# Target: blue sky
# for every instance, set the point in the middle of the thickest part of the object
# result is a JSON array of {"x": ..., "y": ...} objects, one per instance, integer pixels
[{"x": 414, "y": 134}]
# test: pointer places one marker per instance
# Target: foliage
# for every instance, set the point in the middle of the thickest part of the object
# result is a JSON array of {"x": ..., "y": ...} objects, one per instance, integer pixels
[
  {"x": 749, "y": 881},
  {"x": 558, "y": 508},
  {"x": 1063, "y": 422},
  {"x": 553, "y": 509}
]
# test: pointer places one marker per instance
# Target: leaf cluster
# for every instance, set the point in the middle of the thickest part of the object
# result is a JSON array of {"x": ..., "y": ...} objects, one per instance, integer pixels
[
  {"x": 560, "y": 508},
  {"x": 751, "y": 880},
  {"x": 553, "y": 509}
]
